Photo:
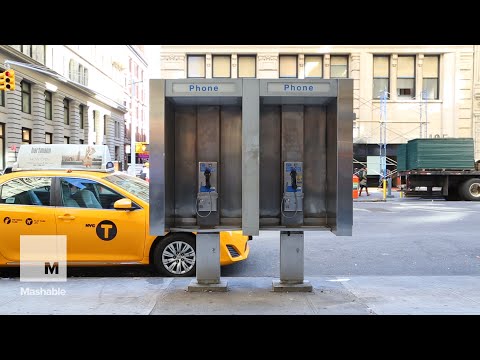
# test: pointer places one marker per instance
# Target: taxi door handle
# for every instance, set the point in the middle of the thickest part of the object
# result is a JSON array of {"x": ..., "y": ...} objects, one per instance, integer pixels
[{"x": 66, "y": 217}]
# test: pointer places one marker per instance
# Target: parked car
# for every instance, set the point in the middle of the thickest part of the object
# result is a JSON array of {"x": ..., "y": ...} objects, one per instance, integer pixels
[{"x": 104, "y": 214}]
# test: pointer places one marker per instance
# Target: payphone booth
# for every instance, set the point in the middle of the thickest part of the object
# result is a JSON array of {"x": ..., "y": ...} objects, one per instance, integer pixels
[
  {"x": 251, "y": 155},
  {"x": 196, "y": 164},
  {"x": 305, "y": 165}
]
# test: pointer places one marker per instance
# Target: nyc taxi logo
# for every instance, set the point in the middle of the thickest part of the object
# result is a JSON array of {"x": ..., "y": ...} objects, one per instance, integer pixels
[{"x": 106, "y": 230}]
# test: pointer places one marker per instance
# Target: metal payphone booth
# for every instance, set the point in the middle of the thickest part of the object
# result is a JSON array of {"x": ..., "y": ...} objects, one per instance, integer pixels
[
  {"x": 305, "y": 165},
  {"x": 251, "y": 155},
  {"x": 196, "y": 165}
]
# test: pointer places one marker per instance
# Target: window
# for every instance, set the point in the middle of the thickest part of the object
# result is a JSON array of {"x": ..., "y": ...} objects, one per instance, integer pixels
[
  {"x": 104, "y": 124},
  {"x": 66, "y": 111},
  {"x": 338, "y": 66},
  {"x": 406, "y": 77},
  {"x": 221, "y": 66},
  {"x": 430, "y": 77},
  {"x": 71, "y": 70},
  {"x": 247, "y": 66},
  {"x": 81, "y": 113},
  {"x": 26, "y": 136},
  {"x": 26, "y": 191},
  {"x": 27, "y": 50},
  {"x": 85, "y": 76},
  {"x": 85, "y": 193},
  {"x": 48, "y": 138},
  {"x": 66, "y": 140},
  {"x": 26, "y": 97},
  {"x": 94, "y": 113},
  {"x": 48, "y": 105},
  {"x": 288, "y": 66},
  {"x": 80, "y": 73},
  {"x": 38, "y": 53},
  {"x": 196, "y": 66},
  {"x": 381, "y": 76},
  {"x": 117, "y": 153},
  {"x": 313, "y": 66}
]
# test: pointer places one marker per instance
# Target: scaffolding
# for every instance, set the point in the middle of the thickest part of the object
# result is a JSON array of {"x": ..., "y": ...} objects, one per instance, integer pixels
[{"x": 384, "y": 160}]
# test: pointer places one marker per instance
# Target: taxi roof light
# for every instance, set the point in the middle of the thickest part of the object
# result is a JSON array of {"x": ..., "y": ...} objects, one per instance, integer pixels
[{"x": 64, "y": 157}]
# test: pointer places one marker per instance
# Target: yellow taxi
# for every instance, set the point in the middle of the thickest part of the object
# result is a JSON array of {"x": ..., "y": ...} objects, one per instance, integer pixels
[{"x": 73, "y": 190}]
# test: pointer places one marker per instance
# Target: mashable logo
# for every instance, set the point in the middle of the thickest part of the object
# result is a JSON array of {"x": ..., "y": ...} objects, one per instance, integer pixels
[{"x": 43, "y": 258}]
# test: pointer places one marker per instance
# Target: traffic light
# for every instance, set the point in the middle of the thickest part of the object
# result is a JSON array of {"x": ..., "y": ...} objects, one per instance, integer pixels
[{"x": 7, "y": 80}]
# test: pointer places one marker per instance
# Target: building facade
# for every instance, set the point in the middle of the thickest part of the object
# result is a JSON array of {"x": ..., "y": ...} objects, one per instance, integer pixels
[
  {"x": 400, "y": 92},
  {"x": 136, "y": 95},
  {"x": 64, "y": 94}
]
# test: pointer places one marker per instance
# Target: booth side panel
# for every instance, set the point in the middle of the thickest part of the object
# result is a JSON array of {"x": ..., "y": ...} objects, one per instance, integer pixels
[
  {"x": 345, "y": 157},
  {"x": 250, "y": 157},
  {"x": 169, "y": 140},
  {"x": 157, "y": 165}
]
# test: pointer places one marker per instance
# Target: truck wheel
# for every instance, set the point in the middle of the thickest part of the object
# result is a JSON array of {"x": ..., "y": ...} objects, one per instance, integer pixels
[
  {"x": 175, "y": 255},
  {"x": 470, "y": 190}
]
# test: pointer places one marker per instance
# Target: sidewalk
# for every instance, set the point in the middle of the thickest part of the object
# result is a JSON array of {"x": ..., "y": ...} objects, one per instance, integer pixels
[
  {"x": 376, "y": 194},
  {"x": 356, "y": 295}
]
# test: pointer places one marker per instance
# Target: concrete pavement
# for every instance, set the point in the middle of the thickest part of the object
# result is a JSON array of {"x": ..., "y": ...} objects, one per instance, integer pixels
[{"x": 356, "y": 295}]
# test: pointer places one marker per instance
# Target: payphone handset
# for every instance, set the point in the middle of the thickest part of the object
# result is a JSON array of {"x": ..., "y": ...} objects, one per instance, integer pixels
[
  {"x": 292, "y": 187},
  {"x": 207, "y": 187}
]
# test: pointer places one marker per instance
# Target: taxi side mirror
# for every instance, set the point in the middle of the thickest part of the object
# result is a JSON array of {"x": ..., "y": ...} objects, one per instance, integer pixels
[{"x": 123, "y": 204}]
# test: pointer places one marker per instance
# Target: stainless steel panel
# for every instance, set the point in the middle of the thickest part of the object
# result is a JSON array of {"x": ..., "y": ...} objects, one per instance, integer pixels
[
  {"x": 208, "y": 258},
  {"x": 250, "y": 157},
  {"x": 345, "y": 158},
  {"x": 185, "y": 163},
  {"x": 208, "y": 149},
  {"x": 332, "y": 186},
  {"x": 315, "y": 160},
  {"x": 291, "y": 256},
  {"x": 169, "y": 157},
  {"x": 292, "y": 149},
  {"x": 157, "y": 143},
  {"x": 292, "y": 133},
  {"x": 270, "y": 162},
  {"x": 231, "y": 162}
]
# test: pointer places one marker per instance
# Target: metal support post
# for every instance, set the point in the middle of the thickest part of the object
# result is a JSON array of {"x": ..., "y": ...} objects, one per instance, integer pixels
[
  {"x": 291, "y": 263},
  {"x": 208, "y": 264}
]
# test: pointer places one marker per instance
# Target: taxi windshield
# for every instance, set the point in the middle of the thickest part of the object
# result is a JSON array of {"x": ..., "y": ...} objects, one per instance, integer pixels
[{"x": 133, "y": 185}]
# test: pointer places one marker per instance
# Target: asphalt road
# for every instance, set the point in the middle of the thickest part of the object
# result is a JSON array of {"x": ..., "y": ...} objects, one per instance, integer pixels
[
  {"x": 411, "y": 237},
  {"x": 408, "y": 237}
]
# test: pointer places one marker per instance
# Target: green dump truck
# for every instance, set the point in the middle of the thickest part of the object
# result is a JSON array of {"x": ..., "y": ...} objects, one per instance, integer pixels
[{"x": 442, "y": 167}]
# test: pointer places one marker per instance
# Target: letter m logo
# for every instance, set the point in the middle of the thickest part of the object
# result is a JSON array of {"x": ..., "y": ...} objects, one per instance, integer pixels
[
  {"x": 51, "y": 268},
  {"x": 90, "y": 225}
]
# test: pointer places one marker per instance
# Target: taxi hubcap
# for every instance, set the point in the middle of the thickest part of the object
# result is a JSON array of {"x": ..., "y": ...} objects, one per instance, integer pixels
[{"x": 178, "y": 257}]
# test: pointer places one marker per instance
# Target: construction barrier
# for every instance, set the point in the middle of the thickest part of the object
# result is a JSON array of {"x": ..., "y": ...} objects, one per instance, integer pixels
[{"x": 355, "y": 187}]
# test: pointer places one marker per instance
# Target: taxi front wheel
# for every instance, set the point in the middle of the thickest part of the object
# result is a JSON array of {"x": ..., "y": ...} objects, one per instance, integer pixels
[{"x": 175, "y": 255}]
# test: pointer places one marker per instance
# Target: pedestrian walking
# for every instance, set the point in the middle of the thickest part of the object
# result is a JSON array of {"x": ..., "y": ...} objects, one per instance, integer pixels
[{"x": 362, "y": 175}]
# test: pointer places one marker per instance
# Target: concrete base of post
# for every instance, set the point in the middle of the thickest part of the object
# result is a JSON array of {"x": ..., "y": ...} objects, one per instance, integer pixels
[
  {"x": 285, "y": 286},
  {"x": 195, "y": 286}
]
